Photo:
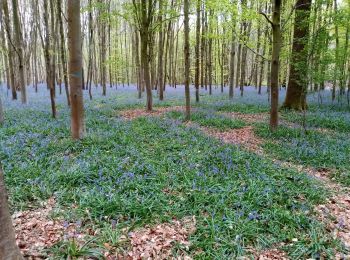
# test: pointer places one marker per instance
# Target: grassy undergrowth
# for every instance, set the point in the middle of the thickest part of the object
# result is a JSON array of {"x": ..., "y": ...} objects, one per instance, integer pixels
[
  {"x": 152, "y": 170},
  {"x": 209, "y": 118},
  {"x": 320, "y": 150}
]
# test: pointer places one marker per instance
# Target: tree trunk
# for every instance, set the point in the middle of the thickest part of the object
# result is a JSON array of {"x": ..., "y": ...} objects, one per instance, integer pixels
[
  {"x": 8, "y": 247},
  {"x": 232, "y": 66},
  {"x": 276, "y": 47},
  {"x": 19, "y": 50},
  {"x": 197, "y": 48},
  {"x": 62, "y": 48},
  {"x": 10, "y": 49},
  {"x": 160, "y": 54},
  {"x": 187, "y": 59},
  {"x": 297, "y": 84},
  {"x": 49, "y": 72},
  {"x": 75, "y": 69}
]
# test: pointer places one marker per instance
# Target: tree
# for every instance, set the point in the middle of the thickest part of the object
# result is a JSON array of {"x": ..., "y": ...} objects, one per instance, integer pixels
[
  {"x": 19, "y": 50},
  {"x": 197, "y": 49},
  {"x": 144, "y": 14},
  {"x": 50, "y": 72},
  {"x": 297, "y": 84},
  {"x": 8, "y": 247},
  {"x": 62, "y": 50},
  {"x": 275, "y": 67},
  {"x": 187, "y": 59},
  {"x": 75, "y": 69},
  {"x": 10, "y": 48}
]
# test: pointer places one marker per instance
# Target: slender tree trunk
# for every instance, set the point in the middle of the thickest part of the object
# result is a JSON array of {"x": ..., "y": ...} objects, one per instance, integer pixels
[
  {"x": 8, "y": 247},
  {"x": 160, "y": 54},
  {"x": 10, "y": 49},
  {"x": 276, "y": 47},
  {"x": 197, "y": 49},
  {"x": 232, "y": 66},
  {"x": 187, "y": 59},
  {"x": 62, "y": 48},
  {"x": 75, "y": 69},
  {"x": 49, "y": 72},
  {"x": 19, "y": 50}
]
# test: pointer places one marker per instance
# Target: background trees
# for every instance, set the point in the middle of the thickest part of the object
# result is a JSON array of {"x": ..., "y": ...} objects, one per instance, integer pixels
[{"x": 139, "y": 42}]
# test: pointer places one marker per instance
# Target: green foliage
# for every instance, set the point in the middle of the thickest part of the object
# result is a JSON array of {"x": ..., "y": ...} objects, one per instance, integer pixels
[
  {"x": 209, "y": 119},
  {"x": 122, "y": 169}
]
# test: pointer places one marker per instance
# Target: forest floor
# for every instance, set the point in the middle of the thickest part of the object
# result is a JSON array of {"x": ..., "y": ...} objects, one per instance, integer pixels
[{"x": 151, "y": 185}]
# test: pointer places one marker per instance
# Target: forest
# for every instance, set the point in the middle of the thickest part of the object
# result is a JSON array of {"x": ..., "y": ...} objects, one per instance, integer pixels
[{"x": 174, "y": 129}]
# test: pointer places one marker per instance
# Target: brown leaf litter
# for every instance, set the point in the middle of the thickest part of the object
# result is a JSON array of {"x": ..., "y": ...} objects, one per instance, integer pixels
[
  {"x": 249, "y": 118},
  {"x": 242, "y": 136},
  {"x": 35, "y": 231},
  {"x": 336, "y": 214},
  {"x": 157, "y": 242},
  {"x": 131, "y": 114},
  {"x": 272, "y": 254}
]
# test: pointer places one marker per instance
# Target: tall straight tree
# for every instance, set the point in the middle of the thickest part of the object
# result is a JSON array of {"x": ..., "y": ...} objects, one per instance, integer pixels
[
  {"x": 187, "y": 59},
  {"x": 50, "y": 73},
  {"x": 19, "y": 50},
  {"x": 62, "y": 49},
  {"x": 8, "y": 247},
  {"x": 75, "y": 69},
  {"x": 275, "y": 64},
  {"x": 6, "y": 23},
  {"x": 197, "y": 48},
  {"x": 297, "y": 84}
]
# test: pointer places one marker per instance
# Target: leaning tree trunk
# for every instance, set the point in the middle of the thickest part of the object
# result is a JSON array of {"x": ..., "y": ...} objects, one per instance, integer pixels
[
  {"x": 8, "y": 247},
  {"x": 75, "y": 69},
  {"x": 297, "y": 84}
]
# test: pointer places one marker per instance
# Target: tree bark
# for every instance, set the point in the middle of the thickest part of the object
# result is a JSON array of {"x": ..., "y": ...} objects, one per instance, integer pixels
[
  {"x": 62, "y": 50},
  {"x": 19, "y": 50},
  {"x": 75, "y": 69},
  {"x": 8, "y": 247},
  {"x": 232, "y": 66},
  {"x": 10, "y": 49},
  {"x": 297, "y": 84},
  {"x": 197, "y": 49},
  {"x": 187, "y": 59},
  {"x": 276, "y": 47}
]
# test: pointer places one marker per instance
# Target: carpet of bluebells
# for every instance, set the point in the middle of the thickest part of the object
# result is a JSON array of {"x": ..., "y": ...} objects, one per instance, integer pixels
[{"x": 130, "y": 173}]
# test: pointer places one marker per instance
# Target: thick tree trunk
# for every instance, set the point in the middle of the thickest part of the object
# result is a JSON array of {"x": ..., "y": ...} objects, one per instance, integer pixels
[
  {"x": 297, "y": 84},
  {"x": 8, "y": 247},
  {"x": 187, "y": 59},
  {"x": 276, "y": 47},
  {"x": 75, "y": 69}
]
